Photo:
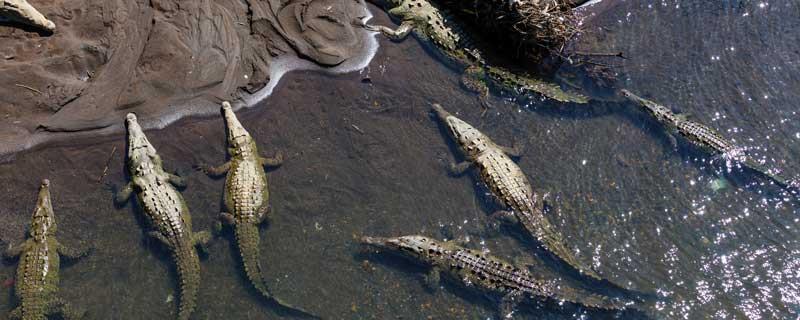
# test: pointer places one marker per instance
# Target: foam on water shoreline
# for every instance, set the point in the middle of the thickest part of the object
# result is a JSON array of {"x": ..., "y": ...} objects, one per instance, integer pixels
[{"x": 202, "y": 107}]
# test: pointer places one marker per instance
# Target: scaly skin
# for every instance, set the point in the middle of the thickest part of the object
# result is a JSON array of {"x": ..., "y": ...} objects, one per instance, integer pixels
[
  {"x": 509, "y": 184},
  {"x": 21, "y": 11},
  {"x": 166, "y": 211},
  {"x": 702, "y": 136},
  {"x": 488, "y": 273},
  {"x": 246, "y": 197},
  {"x": 37, "y": 274},
  {"x": 455, "y": 47}
]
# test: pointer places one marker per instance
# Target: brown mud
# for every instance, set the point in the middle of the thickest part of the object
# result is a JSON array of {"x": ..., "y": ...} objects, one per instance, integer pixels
[{"x": 161, "y": 59}]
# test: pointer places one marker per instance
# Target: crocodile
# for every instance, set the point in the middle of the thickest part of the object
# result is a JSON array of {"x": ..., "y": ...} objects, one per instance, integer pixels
[
  {"x": 39, "y": 262},
  {"x": 490, "y": 274},
  {"x": 246, "y": 197},
  {"x": 165, "y": 210},
  {"x": 23, "y": 12},
  {"x": 448, "y": 40},
  {"x": 509, "y": 184},
  {"x": 703, "y": 137}
]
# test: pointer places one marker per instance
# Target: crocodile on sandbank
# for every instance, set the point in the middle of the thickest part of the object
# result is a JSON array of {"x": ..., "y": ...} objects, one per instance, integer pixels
[
  {"x": 246, "y": 197},
  {"x": 432, "y": 26},
  {"x": 23, "y": 12},
  {"x": 165, "y": 210},
  {"x": 509, "y": 184},
  {"x": 703, "y": 137},
  {"x": 39, "y": 263},
  {"x": 488, "y": 273}
]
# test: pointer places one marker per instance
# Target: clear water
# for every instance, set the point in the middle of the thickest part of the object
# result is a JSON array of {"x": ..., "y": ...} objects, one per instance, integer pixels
[{"x": 367, "y": 158}]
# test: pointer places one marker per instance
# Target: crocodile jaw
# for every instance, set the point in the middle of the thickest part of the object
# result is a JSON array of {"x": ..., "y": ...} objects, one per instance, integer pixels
[
  {"x": 238, "y": 137},
  {"x": 43, "y": 222},
  {"x": 412, "y": 246},
  {"x": 472, "y": 141},
  {"x": 141, "y": 154}
]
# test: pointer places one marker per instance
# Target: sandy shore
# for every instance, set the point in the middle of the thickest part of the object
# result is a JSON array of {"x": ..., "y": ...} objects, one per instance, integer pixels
[{"x": 161, "y": 59}]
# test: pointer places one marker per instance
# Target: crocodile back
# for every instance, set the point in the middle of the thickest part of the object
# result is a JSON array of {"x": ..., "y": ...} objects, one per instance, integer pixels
[
  {"x": 705, "y": 137},
  {"x": 164, "y": 207},
  {"x": 246, "y": 190},
  {"x": 37, "y": 277},
  {"x": 511, "y": 186},
  {"x": 506, "y": 180},
  {"x": 495, "y": 275}
]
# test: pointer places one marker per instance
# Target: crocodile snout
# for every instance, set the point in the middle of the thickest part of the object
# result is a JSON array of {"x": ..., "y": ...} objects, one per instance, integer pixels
[{"x": 440, "y": 111}]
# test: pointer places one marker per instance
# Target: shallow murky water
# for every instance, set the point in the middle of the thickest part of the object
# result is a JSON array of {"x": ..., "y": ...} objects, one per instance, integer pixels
[{"x": 367, "y": 158}]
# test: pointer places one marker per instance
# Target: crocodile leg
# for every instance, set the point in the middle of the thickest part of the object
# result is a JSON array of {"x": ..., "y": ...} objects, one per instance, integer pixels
[
  {"x": 263, "y": 212},
  {"x": 65, "y": 310},
  {"x": 514, "y": 151},
  {"x": 177, "y": 181},
  {"x": 72, "y": 253},
  {"x": 460, "y": 168},
  {"x": 13, "y": 251},
  {"x": 124, "y": 194},
  {"x": 673, "y": 141},
  {"x": 433, "y": 278},
  {"x": 215, "y": 171},
  {"x": 201, "y": 239},
  {"x": 15, "y": 314},
  {"x": 161, "y": 238},
  {"x": 275, "y": 161},
  {"x": 225, "y": 219},
  {"x": 505, "y": 216},
  {"x": 509, "y": 303}
]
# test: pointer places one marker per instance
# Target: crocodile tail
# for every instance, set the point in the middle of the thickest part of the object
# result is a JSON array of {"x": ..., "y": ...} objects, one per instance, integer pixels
[
  {"x": 592, "y": 300},
  {"x": 778, "y": 180},
  {"x": 248, "y": 238},
  {"x": 539, "y": 226},
  {"x": 188, "y": 265},
  {"x": 509, "y": 81}
]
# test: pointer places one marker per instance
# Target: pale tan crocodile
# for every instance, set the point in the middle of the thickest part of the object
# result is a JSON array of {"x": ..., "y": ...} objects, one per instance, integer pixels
[
  {"x": 509, "y": 184},
  {"x": 23, "y": 12}
]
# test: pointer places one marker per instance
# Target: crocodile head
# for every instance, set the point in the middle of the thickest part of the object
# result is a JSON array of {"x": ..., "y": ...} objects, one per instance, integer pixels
[
  {"x": 142, "y": 156},
  {"x": 43, "y": 222},
  {"x": 658, "y": 111},
  {"x": 239, "y": 140},
  {"x": 416, "y": 247},
  {"x": 472, "y": 141}
]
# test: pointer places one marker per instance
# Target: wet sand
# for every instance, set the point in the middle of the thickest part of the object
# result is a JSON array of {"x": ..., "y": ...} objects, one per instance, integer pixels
[{"x": 367, "y": 158}]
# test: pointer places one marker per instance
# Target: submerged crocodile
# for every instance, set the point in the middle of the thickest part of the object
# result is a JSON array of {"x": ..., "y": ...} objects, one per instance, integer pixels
[
  {"x": 703, "y": 137},
  {"x": 449, "y": 40},
  {"x": 488, "y": 273},
  {"x": 509, "y": 184},
  {"x": 165, "y": 210},
  {"x": 246, "y": 197},
  {"x": 23, "y": 12},
  {"x": 37, "y": 274}
]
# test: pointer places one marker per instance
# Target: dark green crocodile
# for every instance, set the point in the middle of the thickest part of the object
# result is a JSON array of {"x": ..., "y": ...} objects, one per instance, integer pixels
[
  {"x": 432, "y": 26},
  {"x": 246, "y": 197},
  {"x": 166, "y": 211},
  {"x": 509, "y": 184},
  {"x": 39, "y": 261},
  {"x": 482, "y": 271},
  {"x": 704, "y": 137}
]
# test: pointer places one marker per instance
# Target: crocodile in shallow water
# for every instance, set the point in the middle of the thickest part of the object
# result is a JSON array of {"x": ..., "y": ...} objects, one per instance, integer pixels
[
  {"x": 39, "y": 261},
  {"x": 703, "y": 137},
  {"x": 166, "y": 211},
  {"x": 246, "y": 197},
  {"x": 508, "y": 183},
  {"x": 488, "y": 273},
  {"x": 435, "y": 28}
]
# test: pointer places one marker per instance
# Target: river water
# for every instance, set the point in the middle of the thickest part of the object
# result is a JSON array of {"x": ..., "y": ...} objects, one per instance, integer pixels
[{"x": 366, "y": 157}]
